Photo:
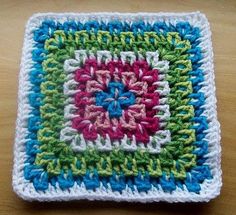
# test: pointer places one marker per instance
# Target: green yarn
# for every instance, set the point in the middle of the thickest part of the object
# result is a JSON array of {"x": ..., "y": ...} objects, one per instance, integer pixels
[{"x": 175, "y": 157}]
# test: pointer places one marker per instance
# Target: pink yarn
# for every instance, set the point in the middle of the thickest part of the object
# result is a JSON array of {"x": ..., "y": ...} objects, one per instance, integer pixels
[{"x": 137, "y": 120}]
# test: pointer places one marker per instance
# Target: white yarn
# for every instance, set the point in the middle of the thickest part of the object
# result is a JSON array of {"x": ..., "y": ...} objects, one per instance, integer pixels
[
  {"x": 210, "y": 188},
  {"x": 77, "y": 141}
]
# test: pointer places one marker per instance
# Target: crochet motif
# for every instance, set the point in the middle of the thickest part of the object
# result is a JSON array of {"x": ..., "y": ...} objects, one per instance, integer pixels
[
  {"x": 119, "y": 109},
  {"x": 97, "y": 118}
]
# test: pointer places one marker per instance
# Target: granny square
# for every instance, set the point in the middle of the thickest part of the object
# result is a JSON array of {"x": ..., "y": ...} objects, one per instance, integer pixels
[{"x": 117, "y": 107}]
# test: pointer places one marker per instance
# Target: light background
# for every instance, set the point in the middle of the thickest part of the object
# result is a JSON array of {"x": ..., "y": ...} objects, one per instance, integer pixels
[{"x": 222, "y": 18}]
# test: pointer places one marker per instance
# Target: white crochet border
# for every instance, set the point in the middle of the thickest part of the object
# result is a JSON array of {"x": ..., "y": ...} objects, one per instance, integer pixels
[
  {"x": 209, "y": 188},
  {"x": 71, "y": 136}
]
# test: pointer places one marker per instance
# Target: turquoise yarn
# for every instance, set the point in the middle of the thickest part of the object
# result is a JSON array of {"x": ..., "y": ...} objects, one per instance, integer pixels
[{"x": 115, "y": 99}]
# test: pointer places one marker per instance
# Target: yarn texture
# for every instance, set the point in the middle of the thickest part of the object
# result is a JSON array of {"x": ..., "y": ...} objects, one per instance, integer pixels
[{"x": 117, "y": 107}]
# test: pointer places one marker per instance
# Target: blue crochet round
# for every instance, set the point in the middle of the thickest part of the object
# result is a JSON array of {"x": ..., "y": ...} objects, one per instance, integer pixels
[{"x": 115, "y": 99}]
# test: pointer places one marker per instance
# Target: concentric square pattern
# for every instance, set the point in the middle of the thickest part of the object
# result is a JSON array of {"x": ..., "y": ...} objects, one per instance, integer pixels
[{"x": 117, "y": 107}]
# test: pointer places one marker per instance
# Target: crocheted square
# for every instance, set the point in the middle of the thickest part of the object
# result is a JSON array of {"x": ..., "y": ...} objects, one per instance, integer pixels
[
  {"x": 117, "y": 107},
  {"x": 116, "y": 101}
]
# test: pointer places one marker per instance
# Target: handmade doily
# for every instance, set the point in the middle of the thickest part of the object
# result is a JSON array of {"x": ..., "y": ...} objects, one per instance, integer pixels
[{"x": 117, "y": 107}]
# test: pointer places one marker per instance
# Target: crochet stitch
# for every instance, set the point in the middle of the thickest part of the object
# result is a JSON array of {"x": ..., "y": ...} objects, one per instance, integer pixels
[{"x": 117, "y": 107}]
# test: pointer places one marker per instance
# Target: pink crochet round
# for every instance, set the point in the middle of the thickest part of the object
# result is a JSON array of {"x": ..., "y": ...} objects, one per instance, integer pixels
[{"x": 137, "y": 120}]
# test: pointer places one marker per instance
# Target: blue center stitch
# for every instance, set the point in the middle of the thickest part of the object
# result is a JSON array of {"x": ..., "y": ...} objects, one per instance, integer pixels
[{"x": 115, "y": 99}]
